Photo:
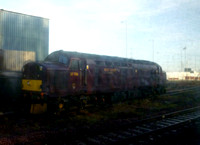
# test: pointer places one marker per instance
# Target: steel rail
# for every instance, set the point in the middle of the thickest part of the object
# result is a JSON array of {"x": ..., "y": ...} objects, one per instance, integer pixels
[
  {"x": 144, "y": 127},
  {"x": 180, "y": 91}
]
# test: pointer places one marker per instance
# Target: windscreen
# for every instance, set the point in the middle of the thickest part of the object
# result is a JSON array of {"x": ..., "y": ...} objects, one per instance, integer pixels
[
  {"x": 56, "y": 57},
  {"x": 33, "y": 71}
]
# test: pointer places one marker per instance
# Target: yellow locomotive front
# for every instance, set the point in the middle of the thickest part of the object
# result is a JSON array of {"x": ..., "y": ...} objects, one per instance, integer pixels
[{"x": 33, "y": 76}]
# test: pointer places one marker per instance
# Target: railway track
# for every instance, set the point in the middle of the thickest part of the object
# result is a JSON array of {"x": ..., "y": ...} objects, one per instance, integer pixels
[
  {"x": 117, "y": 132},
  {"x": 135, "y": 130},
  {"x": 123, "y": 131},
  {"x": 184, "y": 90}
]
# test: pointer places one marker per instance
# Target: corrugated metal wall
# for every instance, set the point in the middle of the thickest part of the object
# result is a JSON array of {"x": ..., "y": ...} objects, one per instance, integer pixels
[
  {"x": 24, "y": 33},
  {"x": 9, "y": 61}
]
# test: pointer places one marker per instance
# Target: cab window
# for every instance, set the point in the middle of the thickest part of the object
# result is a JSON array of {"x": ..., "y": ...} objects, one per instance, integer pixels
[
  {"x": 74, "y": 65},
  {"x": 63, "y": 59}
]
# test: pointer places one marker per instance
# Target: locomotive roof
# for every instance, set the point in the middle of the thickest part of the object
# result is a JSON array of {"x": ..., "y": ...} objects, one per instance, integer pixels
[
  {"x": 49, "y": 65},
  {"x": 69, "y": 54}
]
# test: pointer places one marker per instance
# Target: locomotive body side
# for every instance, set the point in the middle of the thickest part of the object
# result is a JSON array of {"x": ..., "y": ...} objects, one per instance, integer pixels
[{"x": 83, "y": 78}]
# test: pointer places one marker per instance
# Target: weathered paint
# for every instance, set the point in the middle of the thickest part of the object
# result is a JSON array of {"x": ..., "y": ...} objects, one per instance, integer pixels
[
  {"x": 110, "y": 70},
  {"x": 31, "y": 85},
  {"x": 74, "y": 74}
]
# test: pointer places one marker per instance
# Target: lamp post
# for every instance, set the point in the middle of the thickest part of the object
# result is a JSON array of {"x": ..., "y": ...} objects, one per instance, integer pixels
[
  {"x": 185, "y": 57},
  {"x": 181, "y": 61}
]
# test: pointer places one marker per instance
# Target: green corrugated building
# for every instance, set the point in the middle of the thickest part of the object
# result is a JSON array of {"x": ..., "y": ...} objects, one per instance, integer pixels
[{"x": 24, "y": 33}]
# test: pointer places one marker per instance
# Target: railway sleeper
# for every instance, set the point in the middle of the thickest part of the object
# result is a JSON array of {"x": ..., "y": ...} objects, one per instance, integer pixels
[
  {"x": 111, "y": 138},
  {"x": 153, "y": 126},
  {"x": 121, "y": 135},
  {"x": 115, "y": 136},
  {"x": 135, "y": 132},
  {"x": 182, "y": 118},
  {"x": 93, "y": 140},
  {"x": 106, "y": 139},
  {"x": 176, "y": 120},
  {"x": 172, "y": 121},
  {"x": 79, "y": 143},
  {"x": 128, "y": 134},
  {"x": 165, "y": 123},
  {"x": 150, "y": 126},
  {"x": 146, "y": 130},
  {"x": 185, "y": 118}
]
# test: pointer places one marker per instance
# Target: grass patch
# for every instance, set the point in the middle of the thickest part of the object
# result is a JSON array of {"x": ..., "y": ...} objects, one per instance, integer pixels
[{"x": 143, "y": 107}]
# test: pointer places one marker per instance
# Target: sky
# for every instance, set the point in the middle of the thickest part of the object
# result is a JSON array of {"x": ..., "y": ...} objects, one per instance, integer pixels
[{"x": 163, "y": 31}]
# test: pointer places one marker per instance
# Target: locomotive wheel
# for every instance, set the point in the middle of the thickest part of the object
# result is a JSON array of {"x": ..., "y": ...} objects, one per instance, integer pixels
[
  {"x": 38, "y": 108},
  {"x": 61, "y": 106}
]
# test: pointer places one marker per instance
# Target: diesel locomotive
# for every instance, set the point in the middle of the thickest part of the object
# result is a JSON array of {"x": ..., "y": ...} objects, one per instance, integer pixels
[{"x": 66, "y": 78}]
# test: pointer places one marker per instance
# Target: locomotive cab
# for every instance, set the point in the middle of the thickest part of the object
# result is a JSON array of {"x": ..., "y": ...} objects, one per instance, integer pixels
[
  {"x": 41, "y": 83},
  {"x": 33, "y": 86},
  {"x": 33, "y": 75}
]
